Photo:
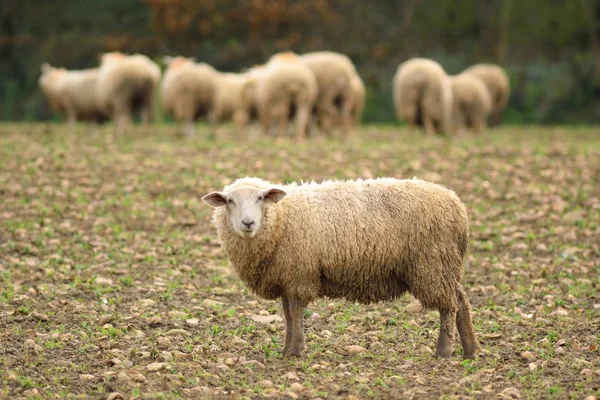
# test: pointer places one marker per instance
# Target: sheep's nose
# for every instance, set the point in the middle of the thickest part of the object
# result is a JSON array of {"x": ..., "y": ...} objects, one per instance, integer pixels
[{"x": 248, "y": 222}]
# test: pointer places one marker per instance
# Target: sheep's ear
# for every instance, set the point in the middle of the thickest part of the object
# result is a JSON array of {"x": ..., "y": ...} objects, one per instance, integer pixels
[
  {"x": 274, "y": 195},
  {"x": 215, "y": 199}
]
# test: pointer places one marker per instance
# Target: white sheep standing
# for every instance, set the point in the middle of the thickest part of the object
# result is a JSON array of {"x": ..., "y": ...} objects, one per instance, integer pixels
[
  {"x": 471, "y": 103},
  {"x": 286, "y": 86},
  {"x": 127, "y": 84},
  {"x": 334, "y": 73},
  {"x": 249, "y": 97},
  {"x": 366, "y": 240},
  {"x": 423, "y": 96},
  {"x": 498, "y": 84},
  {"x": 228, "y": 103},
  {"x": 188, "y": 91},
  {"x": 72, "y": 93}
]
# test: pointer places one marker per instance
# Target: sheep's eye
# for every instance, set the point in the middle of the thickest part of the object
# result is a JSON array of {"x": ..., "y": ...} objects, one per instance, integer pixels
[
  {"x": 259, "y": 199},
  {"x": 230, "y": 202}
]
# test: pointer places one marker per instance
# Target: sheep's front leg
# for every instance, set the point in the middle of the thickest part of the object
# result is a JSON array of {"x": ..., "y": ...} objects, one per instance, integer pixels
[
  {"x": 297, "y": 345},
  {"x": 288, "y": 325}
]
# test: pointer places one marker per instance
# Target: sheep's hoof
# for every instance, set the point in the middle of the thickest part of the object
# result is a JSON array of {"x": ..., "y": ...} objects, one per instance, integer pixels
[
  {"x": 443, "y": 353},
  {"x": 469, "y": 356},
  {"x": 293, "y": 353}
]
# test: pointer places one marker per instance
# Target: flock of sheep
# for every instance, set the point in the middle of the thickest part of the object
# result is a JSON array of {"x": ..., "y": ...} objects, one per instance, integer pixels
[
  {"x": 320, "y": 90},
  {"x": 364, "y": 240},
  {"x": 425, "y": 95}
]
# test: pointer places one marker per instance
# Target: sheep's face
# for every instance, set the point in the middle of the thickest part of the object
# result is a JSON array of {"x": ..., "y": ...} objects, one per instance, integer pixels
[{"x": 245, "y": 206}]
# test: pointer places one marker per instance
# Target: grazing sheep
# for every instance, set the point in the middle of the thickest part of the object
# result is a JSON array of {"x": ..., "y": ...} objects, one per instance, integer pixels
[
  {"x": 228, "y": 102},
  {"x": 334, "y": 73},
  {"x": 127, "y": 84},
  {"x": 365, "y": 240},
  {"x": 471, "y": 103},
  {"x": 422, "y": 95},
  {"x": 496, "y": 80},
  {"x": 188, "y": 91},
  {"x": 285, "y": 87},
  {"x": 72, "y": 92},
  {"x": 248, "y": 96}
]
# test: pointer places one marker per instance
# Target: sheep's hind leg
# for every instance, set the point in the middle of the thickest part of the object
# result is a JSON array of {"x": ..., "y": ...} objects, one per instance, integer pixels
[
  {"x": 297, "y": 344},
  {"x": 447, "y": 323},
  {"x": 288, "y": 325},
  {"x": 465, "y": 326}
]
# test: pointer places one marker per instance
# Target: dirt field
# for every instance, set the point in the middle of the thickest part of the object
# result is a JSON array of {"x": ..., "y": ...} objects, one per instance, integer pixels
[{"x": 112, "y": 278}]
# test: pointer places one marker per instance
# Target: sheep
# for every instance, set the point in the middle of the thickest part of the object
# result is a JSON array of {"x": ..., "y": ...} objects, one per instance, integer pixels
[
  {"x": 188, "y": 91},
  {"x": 497, "y": 82},
  {"x": 228, "y": 102},
  {"x": 471, "y": 105},
  {"x": 285, "y": 87},
  {"x": 72, "y": 92},
  {"x": 357, "y": 102},
  {"x": 334, "y": 73},
  {"x": 248, "y": 95},
  {"x": 365, "y": 240},
  {"x": 423, "y": 96},
  {"x": 127, "y": 84}
]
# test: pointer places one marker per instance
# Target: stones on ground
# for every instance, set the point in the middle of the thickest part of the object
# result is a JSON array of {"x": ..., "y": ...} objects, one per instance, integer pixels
[
  {"x": 266, "y": 384},
  {"x": 105, "y": 319},
  {"x": 86, "y": 377},
  {"x": 147, "y": 303},
  {"x": 138, "y": 378},
  {"x": 528, "y": 355},
  {"x": 115, "y": 396},
  {"x": 177, "y": 314},
  {"x": 211, "y": 303},
  {"x": 296, "y": 387},
  {"x": 192, "y": 322},
  {"x": 104, "y": 281},
  {"x": 163, "y": 342},
  {"x": 155, "y": 367},
  {"x": 39, "y": 316},
  {"x": 532, "y": 366},
  {"x": 123, "y": 378},
  {"x": 414, "y": 307},
  {"x": 253, "y": 364},
  {"x": 182, "y": 356},
  {"x": 509, "y": 393},
  {"x": 29, "y": 344},
  {"x": 177, "y": 331},
  {"x": 266, "y": 319},
  {"x": 292, "y": 376},
  {"x": 354, "y": 349}
]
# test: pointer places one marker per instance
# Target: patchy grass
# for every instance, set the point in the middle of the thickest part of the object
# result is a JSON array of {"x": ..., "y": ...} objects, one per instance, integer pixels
[{"x": 112, "y": 279}]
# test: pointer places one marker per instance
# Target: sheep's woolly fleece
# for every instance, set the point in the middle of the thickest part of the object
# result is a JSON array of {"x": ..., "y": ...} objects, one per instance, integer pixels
[{"x": 363, "y": 240}]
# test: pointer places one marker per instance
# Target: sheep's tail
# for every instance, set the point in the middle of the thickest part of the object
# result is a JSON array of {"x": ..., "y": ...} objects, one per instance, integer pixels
[{"x": 293, "y": 87}]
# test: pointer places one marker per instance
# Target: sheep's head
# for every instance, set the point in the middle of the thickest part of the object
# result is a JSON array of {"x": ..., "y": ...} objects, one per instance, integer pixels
[{"x": 245, "y": 207}]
